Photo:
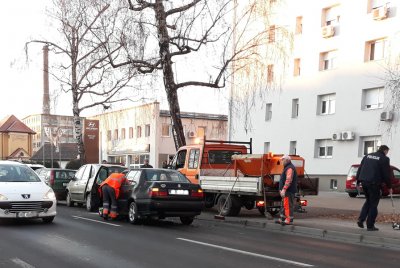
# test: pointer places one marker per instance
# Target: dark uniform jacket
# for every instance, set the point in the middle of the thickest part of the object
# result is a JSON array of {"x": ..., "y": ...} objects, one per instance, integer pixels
[{"x": 375, "y": 168}]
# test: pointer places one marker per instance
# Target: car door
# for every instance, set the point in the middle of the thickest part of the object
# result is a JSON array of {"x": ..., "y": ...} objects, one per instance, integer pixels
[
  {"x": 396, "y": 181},
  {"x": 82, "y": 183},
  {"x": 73, "y": 185}
]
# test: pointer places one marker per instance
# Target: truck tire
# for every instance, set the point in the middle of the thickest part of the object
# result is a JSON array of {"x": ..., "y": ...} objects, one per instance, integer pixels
[
  {"x": 232, "y": 205},
  {"x": 352, "y": 194},
  {"x": 209, "y": 200}
]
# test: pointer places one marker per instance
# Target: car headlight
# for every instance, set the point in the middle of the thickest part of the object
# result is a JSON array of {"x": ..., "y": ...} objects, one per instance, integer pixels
[
  {"x": 49, "y": 195},
  {"x": 3, "y": 198}
]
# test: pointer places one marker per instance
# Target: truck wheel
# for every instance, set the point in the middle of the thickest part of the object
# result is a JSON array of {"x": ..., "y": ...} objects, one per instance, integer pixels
[
  {"x": 209, "y": 201},
  {"x": 231, "y": 208},
  {"x": 70, "y": 203},
  {"x": 249, "y": 205},
  {"x": 352, "y": 194}
]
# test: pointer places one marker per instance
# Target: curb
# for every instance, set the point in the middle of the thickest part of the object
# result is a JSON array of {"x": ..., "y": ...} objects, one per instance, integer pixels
[{"x": 362, "y": 239}]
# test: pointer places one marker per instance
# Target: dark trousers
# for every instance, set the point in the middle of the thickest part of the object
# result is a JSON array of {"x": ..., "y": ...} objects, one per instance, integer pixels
[
  {"x": 369, "y": 210},
  {"x": 109, "y": 198}
]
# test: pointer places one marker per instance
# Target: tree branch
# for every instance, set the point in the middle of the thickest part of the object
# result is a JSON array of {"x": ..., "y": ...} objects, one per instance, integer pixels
[{"x": 182, "y": 8}]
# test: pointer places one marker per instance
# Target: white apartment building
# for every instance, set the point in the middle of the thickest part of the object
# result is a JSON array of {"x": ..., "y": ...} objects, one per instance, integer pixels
[
  {"x": 131, "y": 135},
  {"x": 333, "y": 106}
]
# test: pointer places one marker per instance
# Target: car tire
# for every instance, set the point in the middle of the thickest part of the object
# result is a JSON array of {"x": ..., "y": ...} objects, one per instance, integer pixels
[
  {"x": 69, "y": 202},
  {"x": 352, "y": 195},
  {"x": 90, "y": 206},
  {"x": 48, "y": 219},
  {"x": 133, "y": 216},
  {"x": 186, "y": 220}
]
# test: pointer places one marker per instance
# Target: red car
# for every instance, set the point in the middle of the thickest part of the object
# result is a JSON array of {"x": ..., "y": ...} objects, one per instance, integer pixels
[{"x": 351, "y": 182}]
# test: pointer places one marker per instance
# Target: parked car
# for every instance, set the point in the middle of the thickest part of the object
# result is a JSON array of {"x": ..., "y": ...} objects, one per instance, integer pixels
[
  {"x": 35, "y": 166},
  {"x": 57, "y": 179},
  {"x": 23, "y": 194},
  {"x": 160, "y": 193},
  {"x": 83, "y": 187},
  {"x": 351, "y": 181}
]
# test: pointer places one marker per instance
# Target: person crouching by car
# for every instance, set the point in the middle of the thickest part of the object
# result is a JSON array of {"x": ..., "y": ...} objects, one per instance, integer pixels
[
  {"x": 287, "y": 190},
  {"x": 110, "y": 189}
]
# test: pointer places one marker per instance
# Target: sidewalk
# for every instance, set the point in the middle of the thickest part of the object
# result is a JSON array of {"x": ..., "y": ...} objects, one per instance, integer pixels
[{"x": 324, "y": 220}]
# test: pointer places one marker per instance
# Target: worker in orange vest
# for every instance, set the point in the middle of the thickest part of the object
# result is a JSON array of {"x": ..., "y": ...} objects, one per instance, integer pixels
[{"x": 110, "y": 189}]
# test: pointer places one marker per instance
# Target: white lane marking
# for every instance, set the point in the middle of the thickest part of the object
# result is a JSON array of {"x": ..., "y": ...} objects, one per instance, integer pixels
[
  {"x": 87, "y": 219},
  {"x": 21, "y": 263},
  {"x": 248, "y": 253}
]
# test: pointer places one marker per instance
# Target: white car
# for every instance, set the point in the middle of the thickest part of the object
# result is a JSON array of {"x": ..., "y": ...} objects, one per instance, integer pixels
[{"x": 23, "y": 194}]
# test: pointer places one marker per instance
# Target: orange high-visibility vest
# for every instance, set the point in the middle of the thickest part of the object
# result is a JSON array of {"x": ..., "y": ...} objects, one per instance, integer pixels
[{"x": 115, "y": 180}]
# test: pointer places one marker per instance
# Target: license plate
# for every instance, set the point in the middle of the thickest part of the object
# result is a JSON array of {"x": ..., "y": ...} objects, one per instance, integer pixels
[
  {"x": 178, "y": 192},
  {"x": 27, "y": 214},
  {"x": 65, "y": 183}
]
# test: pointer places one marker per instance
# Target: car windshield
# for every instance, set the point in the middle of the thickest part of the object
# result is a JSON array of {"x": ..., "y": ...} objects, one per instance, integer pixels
[
  {"x": 164, "y": 175},
  {"x": 115, "y": 169},
  {"x": 352, "y": 172},
  {"x": 17, "y": 173}
]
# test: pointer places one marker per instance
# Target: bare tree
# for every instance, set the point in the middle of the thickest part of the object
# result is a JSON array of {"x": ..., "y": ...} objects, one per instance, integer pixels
[
  {"x": 84, "y": 69},
  {"x": 184, "y": 33}
]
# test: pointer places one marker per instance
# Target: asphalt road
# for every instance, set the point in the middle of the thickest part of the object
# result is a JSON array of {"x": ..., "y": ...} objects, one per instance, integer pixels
[{"x": 81, "y": 239}]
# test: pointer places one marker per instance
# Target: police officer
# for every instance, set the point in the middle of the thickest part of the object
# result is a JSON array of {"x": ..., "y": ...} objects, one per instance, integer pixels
[{"x": 373, "y": 171}]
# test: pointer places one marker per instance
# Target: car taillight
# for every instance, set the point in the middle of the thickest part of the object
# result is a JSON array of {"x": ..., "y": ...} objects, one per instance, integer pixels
[
  {"x": 198, "y": 193},
  {"x": 260, "y": 203},
  {"x": 303, "y": 203},
  {"x": 349, "y": 178},
  {"x": 51, "y": 181},
  {"x": 157, "y": 192}
]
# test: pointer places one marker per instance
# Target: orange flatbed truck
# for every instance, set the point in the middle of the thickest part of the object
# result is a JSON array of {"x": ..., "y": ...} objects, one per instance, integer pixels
[{"x": 232, "y": 177}]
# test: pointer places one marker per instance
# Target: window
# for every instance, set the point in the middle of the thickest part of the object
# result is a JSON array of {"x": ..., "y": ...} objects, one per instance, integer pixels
[
  {"x": 194, "y": 158},
  {"x": 271, "y": 34},
  {"x": 327, "y": 60},
  {"x": 123, "y": 133},
  {"x": 296, "y": 69},
  {"x": 293, "y": 148},
  {"x": 375, "y": 50},
  {"x": 299, "y": 25},
  {"x": 109, "y": 135},
  {"x": 373, "y": 4},
  {"x": 131, "y": 132},
  {"x": 326, "y": 104},
  {"x": 324, "y": 148},
  {"x": 369, "y": 144},
  {"x": 166, "y": 130},
  {"x": 147, "y": 131},
  {"x": 221, "y": 157},
  {"x": 138, "y": 132},
  {"x": 115, "y": 134},
  {"x": 330, "y": 16},
  {"x": 373, "y": 98},
  {"x": 270, "y": 74},
  {"x": 267, "y": 145},
  {"x": 333, "y": 184},
  {"x": 295, "y": 108},
  {"x": 268, "y": 111}
]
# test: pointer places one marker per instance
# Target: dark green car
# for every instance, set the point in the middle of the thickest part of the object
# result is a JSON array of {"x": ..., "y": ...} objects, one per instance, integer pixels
[{"x": 57, "y": 179}]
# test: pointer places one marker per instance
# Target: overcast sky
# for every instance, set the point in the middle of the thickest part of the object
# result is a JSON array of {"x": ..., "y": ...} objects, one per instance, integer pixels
[{"x": 22, "y": 83}]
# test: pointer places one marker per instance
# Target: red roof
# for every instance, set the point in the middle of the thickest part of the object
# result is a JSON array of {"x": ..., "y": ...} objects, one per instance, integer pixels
[{"x": 13, "y": 124}]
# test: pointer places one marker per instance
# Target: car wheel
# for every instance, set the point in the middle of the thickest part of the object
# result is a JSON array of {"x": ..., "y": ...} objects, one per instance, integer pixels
[
  {"x": 186, "y": 220},
  {"x": 352, "y": 194},
  {"x": 133, "y": 216},
  {"x": 70, "y": 203},
  {"x": 48, "y": 219},
  {"x": 89, "y": 203}
]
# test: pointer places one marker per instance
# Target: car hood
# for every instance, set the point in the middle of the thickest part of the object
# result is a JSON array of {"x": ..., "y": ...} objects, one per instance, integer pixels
[{"x": 14, "y": 190}]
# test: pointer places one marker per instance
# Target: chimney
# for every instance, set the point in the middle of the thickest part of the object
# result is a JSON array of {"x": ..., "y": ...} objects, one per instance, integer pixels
[{"x": 46, "y": 96}]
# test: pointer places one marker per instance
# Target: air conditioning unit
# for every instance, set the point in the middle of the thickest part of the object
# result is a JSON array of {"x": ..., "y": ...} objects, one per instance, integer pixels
[
  {"x": 328, "y": 31},
  {"x": 337, "y": 136},
  {"x": 380, "y": 13},
  {"x": 348, "y": 135},
  {"x": 386, "y": 116},
  {"x": 192, "y": 134}
]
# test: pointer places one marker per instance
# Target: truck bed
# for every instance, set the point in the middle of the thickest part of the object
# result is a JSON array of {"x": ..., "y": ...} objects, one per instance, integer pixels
[{"x": 244, "y": 185}]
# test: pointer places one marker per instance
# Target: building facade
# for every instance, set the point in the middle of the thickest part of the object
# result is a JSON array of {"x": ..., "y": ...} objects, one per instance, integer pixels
[
  {"x": 131, "y": 135},
  {"x": 334, "y": 105}
]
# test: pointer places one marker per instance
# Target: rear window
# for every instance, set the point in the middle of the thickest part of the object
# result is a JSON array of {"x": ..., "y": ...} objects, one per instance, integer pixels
[
  {"x": 159, "y": 175},
  {"x": 17, "y": 173},
  {"x": 221, "y": 157},
  {"x": 63, "y": 174},
  {"x": 352, "y": 172}
]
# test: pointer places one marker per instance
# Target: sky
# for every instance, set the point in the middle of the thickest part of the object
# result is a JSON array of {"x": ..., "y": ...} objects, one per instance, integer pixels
[{"x": 22, "y": 79}]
